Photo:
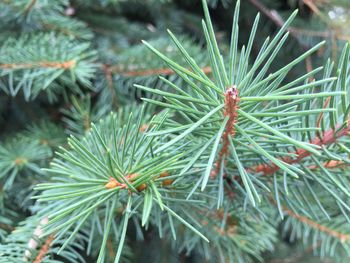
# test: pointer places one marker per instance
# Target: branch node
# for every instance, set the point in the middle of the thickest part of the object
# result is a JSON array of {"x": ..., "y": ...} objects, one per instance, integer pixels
[{"x": 230, "y": 110}]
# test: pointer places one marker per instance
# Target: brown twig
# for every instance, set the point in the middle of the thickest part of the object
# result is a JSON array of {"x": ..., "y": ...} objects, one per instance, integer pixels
[
  {"x": 29, "y": 7},
  {"x": 107, "y": 70},
  {"x": 6, "y": 227},
  {"x": 328, "y": 137},
  {"x": 44, "y": 249},
  {"x": 40, "y": 64},
  {"x": 110, "y": 248},
  {"x": 312, "y": 6},
  {"x": 341, "y": 236},
  {"x": 231, "y": 106},
  {"x": 108, "y": 74},
  {"x": 333, "y": 33},
  {"x": 54, "y": 27},
  {"x": 275, "y": 18},
  {"x": 320, "y": 117},
  {"x": 295, "y": 31},
  {"x": 271, "y": 14},
  {"x": 332, "y": 164},
  {"x": 309, "y": 67}
]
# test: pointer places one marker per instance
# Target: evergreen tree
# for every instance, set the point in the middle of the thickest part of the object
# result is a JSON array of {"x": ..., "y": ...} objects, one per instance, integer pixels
[{"x": 203, "y": 143}]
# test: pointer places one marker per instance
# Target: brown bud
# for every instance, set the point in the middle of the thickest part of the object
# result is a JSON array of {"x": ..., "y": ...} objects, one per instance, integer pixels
[
  {"x": 131, "y": 177},
  {"x": 141, "y": 187},
  {"x": 143, "y": 128},
  {"x": 20, "y": 161},
  {"x": 164, "y": 174},
  {"x": 167, "y": 182},
  {"x": 112, "y": 183},
  {"x": 213, "y": 174}
]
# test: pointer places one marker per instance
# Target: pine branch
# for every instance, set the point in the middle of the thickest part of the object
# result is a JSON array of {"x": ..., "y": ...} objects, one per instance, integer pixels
[
  {"x": 262, "y": 108},
  {"x": 27, "y": 243},
  {"x": 125, "y": 164},
  {"x": 35, "y": 63},
  {"x": 341, "y": 236},
  {"x": 223, "y": 111}
]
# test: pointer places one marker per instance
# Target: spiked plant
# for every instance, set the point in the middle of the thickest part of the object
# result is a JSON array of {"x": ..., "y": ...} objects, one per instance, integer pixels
[
  {"x": 247, "y": 115},
  {"x": 247, "y": 111},
  {"x": 114, "y": 167}
]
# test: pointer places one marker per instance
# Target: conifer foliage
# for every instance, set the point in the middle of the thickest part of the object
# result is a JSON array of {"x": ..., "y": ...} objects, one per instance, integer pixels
[{"x": 218, "y": 147}]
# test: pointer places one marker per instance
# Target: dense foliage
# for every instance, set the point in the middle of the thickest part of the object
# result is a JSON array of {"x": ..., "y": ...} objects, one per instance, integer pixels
[{"x": 134, "y": 131}]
